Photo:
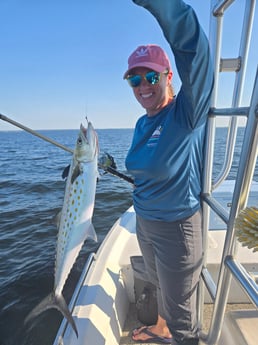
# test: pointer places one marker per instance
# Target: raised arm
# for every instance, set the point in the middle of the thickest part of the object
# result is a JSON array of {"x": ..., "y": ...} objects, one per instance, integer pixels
[{"x": 190, "y": 47}]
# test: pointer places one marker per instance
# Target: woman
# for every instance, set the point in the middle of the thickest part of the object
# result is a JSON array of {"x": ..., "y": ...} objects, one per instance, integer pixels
[{"x": 165, "y": 159}]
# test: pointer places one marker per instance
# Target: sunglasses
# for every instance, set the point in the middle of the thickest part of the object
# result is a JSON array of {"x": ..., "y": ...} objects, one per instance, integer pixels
[{"x": 151, "y": 77}]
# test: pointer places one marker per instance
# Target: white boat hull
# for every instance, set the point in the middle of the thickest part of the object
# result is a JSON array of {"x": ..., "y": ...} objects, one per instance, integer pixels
[{"x": 103, "y": 301}]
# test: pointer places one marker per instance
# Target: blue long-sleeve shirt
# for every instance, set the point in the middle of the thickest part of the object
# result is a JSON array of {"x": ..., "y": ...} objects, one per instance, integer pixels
[{"x": 166, "y": 154}]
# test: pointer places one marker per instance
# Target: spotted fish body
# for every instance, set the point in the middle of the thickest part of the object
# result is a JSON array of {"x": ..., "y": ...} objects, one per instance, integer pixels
[{"x": 75, "y": 224}]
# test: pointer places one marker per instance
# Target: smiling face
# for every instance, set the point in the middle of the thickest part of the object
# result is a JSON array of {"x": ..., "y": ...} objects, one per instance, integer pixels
[{"x": 152, "y": 97}]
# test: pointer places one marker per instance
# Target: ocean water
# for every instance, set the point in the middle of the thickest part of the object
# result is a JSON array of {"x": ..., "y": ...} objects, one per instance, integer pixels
[{"x": 31, "y": 193}]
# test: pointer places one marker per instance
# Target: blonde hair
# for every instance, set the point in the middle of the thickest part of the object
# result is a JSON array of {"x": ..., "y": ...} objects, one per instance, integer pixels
[{"x": 171, "y": 92}]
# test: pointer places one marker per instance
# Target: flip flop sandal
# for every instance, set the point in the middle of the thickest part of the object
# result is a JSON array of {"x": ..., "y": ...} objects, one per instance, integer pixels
[
  {"x": 153, "y": 338},
  {"x": 137, "y": 330}
]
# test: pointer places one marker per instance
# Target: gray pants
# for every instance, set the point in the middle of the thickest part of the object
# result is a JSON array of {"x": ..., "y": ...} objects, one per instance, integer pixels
[{"x": 172, "y": 253}]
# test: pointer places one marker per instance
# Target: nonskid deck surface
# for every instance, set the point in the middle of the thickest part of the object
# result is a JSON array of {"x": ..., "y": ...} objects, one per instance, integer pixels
[{"x": 132, "y": 322}]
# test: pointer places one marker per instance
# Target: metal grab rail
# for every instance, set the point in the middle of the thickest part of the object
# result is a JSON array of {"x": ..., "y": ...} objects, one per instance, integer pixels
[
  {"x": 238, "y": 65},
  {"x": 245, "y": 280},
  {"x": 217, "y": 208},
  {"x": 229, "y": 267},
  {"x": 241, "y": 192},
  {"x": 221, "y": 6},
  {"x": 241, "y": 111}
]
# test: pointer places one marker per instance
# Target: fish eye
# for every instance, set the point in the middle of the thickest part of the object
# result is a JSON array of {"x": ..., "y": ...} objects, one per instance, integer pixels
[{"x": 79, "y": 140}]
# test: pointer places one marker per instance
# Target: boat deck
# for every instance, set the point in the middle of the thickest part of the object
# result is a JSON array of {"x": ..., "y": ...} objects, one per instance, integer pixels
[{"x": 131, "y": 321}]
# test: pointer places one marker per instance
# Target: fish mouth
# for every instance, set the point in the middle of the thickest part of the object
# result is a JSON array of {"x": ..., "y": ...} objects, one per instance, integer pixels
[
  {"x": 84, "y": 130},
  {"x": 89, "y": 137}
]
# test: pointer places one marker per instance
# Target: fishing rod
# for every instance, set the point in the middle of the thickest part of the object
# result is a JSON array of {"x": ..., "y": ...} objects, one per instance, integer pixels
[
  {"x": 106, "y": 162},
  {"x": 31, "y": 131}
]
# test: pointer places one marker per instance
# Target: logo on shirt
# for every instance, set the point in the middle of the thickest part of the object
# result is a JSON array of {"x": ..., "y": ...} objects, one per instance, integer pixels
[{"x": 154, "y": 137}]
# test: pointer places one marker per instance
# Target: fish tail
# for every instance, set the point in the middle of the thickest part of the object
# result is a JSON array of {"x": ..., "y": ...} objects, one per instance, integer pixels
[{"x": 53, "y": 301}]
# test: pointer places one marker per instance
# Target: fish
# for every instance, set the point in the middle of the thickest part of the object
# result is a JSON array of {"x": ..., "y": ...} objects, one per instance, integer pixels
[{"x": 75, "y": 219}]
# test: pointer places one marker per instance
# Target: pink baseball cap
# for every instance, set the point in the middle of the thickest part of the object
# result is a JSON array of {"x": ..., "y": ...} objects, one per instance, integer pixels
[{"x": 151, "y": 56}]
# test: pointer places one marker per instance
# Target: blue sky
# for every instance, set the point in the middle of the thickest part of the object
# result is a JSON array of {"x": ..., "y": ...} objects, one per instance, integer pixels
[{"x": 62, "y": 60}]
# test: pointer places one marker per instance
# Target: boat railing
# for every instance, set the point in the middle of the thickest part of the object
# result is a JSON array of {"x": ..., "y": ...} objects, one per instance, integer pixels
[
  {"x": 230, "y": 267},
  {"x": 239, "y": 65}
]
